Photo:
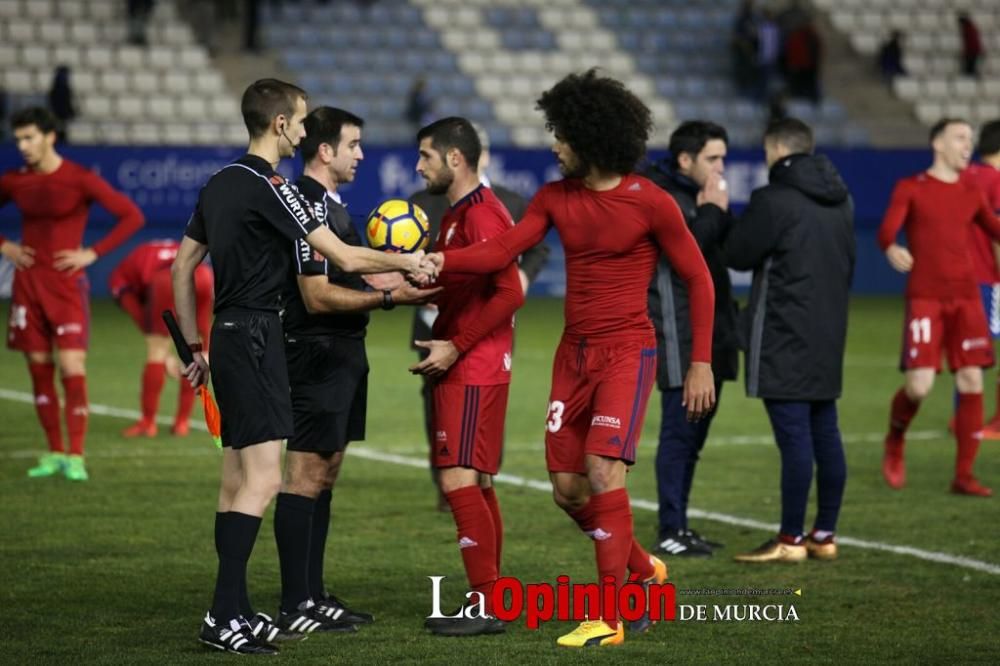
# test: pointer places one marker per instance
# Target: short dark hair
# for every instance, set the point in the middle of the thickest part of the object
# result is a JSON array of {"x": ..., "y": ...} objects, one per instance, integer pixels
[
  {"x": 989, "y": 138},
  {"x": 938, "y": 128},
  {"x": 692, "y": 135},
  {"x": 323, "y": 125},
  {"x": 35, "y": 115},
  {"x": 264, "y": 100},
  {"x": 791, "y": 133},
  {"x": 454, "y": 132},
  {"x": 605, "y": 123}
]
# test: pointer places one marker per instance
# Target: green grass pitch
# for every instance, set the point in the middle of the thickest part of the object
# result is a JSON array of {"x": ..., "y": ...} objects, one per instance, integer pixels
[{"x": 120, "y": 569}]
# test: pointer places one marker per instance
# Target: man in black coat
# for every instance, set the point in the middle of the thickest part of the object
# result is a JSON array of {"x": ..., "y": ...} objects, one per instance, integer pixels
[
  {"x": 797, "y": 234},
  {"x": 693, "y": 175},
  {"x": 530, "y": 265}
]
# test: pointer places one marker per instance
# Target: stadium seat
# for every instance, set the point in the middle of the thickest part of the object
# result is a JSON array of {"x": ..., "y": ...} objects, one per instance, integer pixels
[
  {"x": 52, "y": 32},
  {"x": 145, "y": 81},
  {"x": 130, "y": 107},
  {"x": 113, "y": 81},
  {"x": 160, "y": 107},
  {"x": 98, "y": 57}
]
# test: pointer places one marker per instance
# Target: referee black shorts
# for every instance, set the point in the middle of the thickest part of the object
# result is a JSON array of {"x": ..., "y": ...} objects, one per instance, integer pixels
[
  {"x": 329, "y": 380},
  {"x": 250, "y": 377}
]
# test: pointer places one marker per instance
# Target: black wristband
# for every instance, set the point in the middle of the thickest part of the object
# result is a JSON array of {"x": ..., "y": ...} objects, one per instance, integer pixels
[{"x": 387, "y": 303}]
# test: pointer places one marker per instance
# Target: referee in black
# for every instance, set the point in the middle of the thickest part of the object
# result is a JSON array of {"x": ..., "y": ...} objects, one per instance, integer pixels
[
  {"x": 325, "y": 319},
  {"x": 529, "y": 266},
  {"x": 247, "y": 216}
]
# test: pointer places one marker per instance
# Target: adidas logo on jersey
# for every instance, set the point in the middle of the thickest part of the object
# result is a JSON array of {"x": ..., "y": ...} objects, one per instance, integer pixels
[
  {"x": 466, "y": 542},
  {"x": 634, "y": 187}
]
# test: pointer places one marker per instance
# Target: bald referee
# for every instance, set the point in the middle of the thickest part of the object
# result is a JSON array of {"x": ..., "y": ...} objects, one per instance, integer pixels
[{"x": 247, "y": 218}]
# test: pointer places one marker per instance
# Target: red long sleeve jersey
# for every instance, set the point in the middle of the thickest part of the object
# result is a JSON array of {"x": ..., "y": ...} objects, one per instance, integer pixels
[
  {"x": 612, "y": 240},
  {"x": 54, "y": 209},
  {"x": 476, "y": 312},
  {"x": 984, "y": 263},
  {"x": 938, "y": 218},
  {"x": 136, "y": 270}
]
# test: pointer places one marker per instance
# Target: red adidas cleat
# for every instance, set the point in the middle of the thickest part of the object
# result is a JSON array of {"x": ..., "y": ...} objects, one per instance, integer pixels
[
  {"x": 970, "y": 486},
  {"x": 180, "y": 429},
  {"x": 893, "y": 467},
  {"x": 140, "y": 429}
]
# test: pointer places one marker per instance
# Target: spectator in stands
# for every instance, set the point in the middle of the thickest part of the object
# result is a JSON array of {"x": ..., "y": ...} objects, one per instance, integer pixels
[
  {"x": 972, "y": 45},
  {"x": 768, "y": 53},
  {"x": 803, "y": 53},
  {"x": 418, "y": 104},
  {"x": 743, "y": 44},
  {"x": 138, "y": 17},
  {"x": 890, "y": 57},
  {"x": 61, "y": 100},
  {"x": 251, "y": 22},
  {"x": 4, "y": 110}
]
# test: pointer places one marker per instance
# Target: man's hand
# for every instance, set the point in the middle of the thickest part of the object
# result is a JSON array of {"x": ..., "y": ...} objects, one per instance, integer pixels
[
  {"x": 21, "y": 256},
  {"x": 714, "y": 192},
  {"x": 197, "y": 371},
  {"x": 436, "y": 258},
  {"x": 443, "y": 355},
  {"x": 382, "y": 281},
  {"x": 73, "y": 260},
  {"x": 419, "y": 271},
  {"x": 407, "y": 294},
  {"x": 699, "y": 391},
  {"x": 899, "y": 258}
]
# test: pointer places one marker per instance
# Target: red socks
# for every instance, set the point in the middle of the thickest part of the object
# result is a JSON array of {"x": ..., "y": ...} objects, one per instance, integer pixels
[
  {"x": 638, "y": 563},
  {"x": 638, "y": 558},
  {"x": 76, "y": 411},
  {"x": 47, "y": 403},
  {"x": 490, "y": 495},
  {"x": 185, "y": 401},
  {"x": 612, "y": 537},
  {"x": 903, "y": 411},
  {"x": 968, "y": 431},
  {"x": 476, "y": 539},
  {"x": 153, "y": 376}
]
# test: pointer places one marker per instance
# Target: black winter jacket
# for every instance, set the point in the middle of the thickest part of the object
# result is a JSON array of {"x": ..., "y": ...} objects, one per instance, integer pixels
[
  {"x": 668, "y": 298},
  {"x": 797, "y": 234}
]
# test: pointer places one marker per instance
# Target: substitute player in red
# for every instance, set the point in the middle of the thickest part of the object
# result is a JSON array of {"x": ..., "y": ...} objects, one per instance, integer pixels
[
  {"x": 985, "y": 251},
  {"x": 938, "y": 209},
  {"x": 141, "y": 285},
  {"x": 613, "y": 224},
  {"x": 469, "y": 361},
  {"x": 50, "y": 304}
]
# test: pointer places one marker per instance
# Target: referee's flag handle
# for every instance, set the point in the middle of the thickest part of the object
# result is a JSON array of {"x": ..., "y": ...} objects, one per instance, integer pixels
[{"x": 212, "y": 418}]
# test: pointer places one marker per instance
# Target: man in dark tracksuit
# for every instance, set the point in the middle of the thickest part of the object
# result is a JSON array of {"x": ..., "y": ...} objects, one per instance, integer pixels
[
  {"x": 797, "y": 234},
  {"x": 529, "y": 266},
  {"x": 693, "y": 176}
]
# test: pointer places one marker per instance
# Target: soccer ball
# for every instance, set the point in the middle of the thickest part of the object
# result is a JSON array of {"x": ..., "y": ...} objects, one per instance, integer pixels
[{"x": 397, "y": 225}]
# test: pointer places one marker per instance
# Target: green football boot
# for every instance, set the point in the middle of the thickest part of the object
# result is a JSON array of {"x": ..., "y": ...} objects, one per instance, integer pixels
[
  {"x": 48, "y": 465},
  {"x": 75, "y": 470}
]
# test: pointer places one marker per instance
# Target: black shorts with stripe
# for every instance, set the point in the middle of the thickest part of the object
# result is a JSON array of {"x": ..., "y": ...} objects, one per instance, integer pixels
[{"x": 329, "y": 391}]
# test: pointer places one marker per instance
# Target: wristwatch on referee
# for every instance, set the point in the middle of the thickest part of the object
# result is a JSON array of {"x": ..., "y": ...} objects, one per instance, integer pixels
[{"x": 387, "y": 302}]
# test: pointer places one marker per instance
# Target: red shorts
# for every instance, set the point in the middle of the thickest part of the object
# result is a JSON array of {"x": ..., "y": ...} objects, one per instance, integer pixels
[
  {"x": 49, "y": 307},
  {"x": 598, "y": 402},
  {"x": 159, "y": 296},
  {"x": 958, "y": 326},
  {"x": 468, "y": 426}
]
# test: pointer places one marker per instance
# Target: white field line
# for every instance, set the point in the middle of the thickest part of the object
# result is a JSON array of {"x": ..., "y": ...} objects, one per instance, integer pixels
[{"x": 508, "y": 479}]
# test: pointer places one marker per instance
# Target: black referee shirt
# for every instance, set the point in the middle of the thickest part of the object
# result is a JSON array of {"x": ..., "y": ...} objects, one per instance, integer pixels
[
  {"x": 296, "y": 319},
  {"x": 247, "y": 213}
]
